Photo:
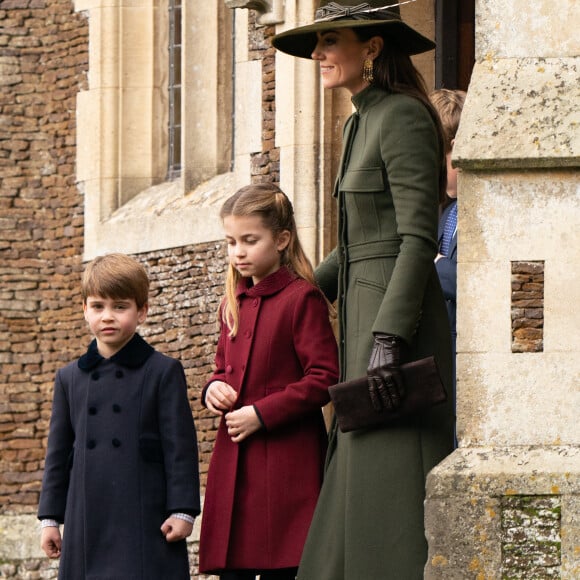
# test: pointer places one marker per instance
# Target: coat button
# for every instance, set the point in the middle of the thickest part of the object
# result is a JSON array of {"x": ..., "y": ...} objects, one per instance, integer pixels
[
  {"x": 92, "y": 410},
  {"x": 248, "y": 333},
  {"x": 116, "y": 408},
  {"x": 119, "y": 374},
  {"x": 116, "y": 442},
  {"x": 229, "y": 369},
  {"x": 255, "y": 302},
  {"x": 91, "y": 444},
  {"x": 95, "y": 376}
]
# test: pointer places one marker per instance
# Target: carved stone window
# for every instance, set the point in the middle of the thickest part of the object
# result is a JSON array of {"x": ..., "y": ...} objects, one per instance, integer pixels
[{"x": 129, "y": 126}]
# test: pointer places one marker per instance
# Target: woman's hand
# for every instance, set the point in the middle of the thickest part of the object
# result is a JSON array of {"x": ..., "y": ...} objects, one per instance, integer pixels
[
  {"x": 242, "y": 423},
  {"x": 386, "y": 386},
  {"x": 220, "y": 397}
]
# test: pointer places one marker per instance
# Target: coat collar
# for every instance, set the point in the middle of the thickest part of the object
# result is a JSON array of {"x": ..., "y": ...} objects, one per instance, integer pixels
[
  {"x": 268, "y": 286},
  {"x": 132, "y": 355},
  {"x": 368, "y": 98}
]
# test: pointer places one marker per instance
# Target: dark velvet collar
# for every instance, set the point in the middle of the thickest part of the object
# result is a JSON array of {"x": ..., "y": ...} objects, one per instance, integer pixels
[
  {"x": 268, "y": 286},
  {"x": 132, "y": 355}
]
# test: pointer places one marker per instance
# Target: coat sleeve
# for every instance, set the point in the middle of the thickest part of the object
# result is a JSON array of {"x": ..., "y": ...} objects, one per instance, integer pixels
[
  {"x": 179, "y": 442},
  {"x": 59, "y": 453},
  {"x": 447, "y": 271},
  {"x": 327, "y": 276},
  {"x": 316, "y": 348},
  {"x": 410, "y": 152}
]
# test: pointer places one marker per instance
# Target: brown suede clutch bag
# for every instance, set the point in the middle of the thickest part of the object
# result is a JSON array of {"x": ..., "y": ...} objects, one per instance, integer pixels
[{"x": 352, "y": 402}]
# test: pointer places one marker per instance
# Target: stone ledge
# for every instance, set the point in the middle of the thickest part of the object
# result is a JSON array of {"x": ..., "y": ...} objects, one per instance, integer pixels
[
  {"x": 467, "y": 509},
  {"x": 521, "y": 113},
  {"x": 161, "y": 217},
  {"x": 491, "y": 472}
]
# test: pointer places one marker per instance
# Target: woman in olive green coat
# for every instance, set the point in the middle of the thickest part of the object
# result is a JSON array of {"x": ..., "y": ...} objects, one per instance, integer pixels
[{"x": 368, "y": 524}]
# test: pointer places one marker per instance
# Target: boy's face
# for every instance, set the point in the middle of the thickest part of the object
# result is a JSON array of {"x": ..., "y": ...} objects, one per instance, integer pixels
[{"x": 113, "y": 321}]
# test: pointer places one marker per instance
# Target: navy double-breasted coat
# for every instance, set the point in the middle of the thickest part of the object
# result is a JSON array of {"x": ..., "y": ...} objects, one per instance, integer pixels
[
  {"x": 261, "y": 493},
  {"x": 122, "y": 456},
  {"x": 447, "y": 271}
]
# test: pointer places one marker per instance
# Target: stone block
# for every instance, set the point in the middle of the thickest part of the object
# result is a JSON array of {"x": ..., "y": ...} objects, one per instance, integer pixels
[
  {"x": 521, "y": 113},
  {"x": 504, "y": 512}
]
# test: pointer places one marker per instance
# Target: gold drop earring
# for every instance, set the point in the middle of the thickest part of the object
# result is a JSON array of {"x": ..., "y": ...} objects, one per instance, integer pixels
[{"x": 367, "y": 74}]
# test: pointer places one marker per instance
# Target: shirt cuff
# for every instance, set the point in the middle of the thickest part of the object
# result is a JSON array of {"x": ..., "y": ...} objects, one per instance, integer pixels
[
  {"x": 186, "y": 517},
  {"x": 49, "y": 523}
]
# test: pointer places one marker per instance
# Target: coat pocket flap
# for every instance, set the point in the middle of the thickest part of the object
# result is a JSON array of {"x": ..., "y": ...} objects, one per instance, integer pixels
[{"x": 367, "y": 179}]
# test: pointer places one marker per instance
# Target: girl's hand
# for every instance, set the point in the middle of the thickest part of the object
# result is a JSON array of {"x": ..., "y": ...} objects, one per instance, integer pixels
[
  {"x": 175, "y": 529},
  {"x": 220, "y": 397},
  {"x": 242, "y": 423},
  {"x": 51, "y": 541}
]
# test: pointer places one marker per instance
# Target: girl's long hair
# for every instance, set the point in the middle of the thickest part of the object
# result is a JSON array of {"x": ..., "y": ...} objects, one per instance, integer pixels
[
  {"x": 272, "y": 206},
  {"x": 394, "y": 72}
]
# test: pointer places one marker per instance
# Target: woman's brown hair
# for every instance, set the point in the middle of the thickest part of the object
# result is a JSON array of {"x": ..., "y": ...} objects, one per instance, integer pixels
[{"x": 394, "y": 72}]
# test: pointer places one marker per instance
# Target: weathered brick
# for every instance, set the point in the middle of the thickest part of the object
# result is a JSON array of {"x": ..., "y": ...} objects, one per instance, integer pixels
[{"x": 527, "y": 306}]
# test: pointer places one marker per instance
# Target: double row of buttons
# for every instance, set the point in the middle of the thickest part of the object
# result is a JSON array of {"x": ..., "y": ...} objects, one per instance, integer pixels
[{"x": 91, "y": 443}]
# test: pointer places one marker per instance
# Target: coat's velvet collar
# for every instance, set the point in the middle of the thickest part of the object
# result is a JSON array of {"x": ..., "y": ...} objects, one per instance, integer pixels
[
  {"x": 268, "y": 286},
  {"x": 132, "y": 355}
]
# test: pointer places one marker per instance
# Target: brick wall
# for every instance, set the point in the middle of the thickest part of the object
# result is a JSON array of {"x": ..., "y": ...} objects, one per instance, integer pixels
[
  {"x": 527, "y": 310},
  {"x": 43, "y": 66},
  {"x": 266, "y": 164}
]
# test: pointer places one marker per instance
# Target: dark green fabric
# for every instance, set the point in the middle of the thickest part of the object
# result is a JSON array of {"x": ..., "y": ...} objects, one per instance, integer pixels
[{"x": 369, "y": 520}]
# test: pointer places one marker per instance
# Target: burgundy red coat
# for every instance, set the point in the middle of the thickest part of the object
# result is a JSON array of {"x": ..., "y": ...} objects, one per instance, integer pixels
[{"x": 261, "y": 493}]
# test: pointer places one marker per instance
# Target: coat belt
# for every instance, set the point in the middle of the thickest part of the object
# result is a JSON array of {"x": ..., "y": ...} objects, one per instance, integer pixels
[{"x": 368, "y": 250}]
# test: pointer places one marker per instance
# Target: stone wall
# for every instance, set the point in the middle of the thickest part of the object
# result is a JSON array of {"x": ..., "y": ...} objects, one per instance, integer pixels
[{"x": 505, "y": 504}]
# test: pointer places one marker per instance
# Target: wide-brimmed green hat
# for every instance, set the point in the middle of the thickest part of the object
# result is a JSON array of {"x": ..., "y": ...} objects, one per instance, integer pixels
[{"x": 301, "y": 41}]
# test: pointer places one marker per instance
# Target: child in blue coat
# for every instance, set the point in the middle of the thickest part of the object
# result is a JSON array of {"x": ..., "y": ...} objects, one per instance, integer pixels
[{"x": 121, "y": 468}]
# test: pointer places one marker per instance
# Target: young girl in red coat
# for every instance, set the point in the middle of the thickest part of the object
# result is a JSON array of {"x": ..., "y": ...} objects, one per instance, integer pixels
[{"x": 275, "y": 359}]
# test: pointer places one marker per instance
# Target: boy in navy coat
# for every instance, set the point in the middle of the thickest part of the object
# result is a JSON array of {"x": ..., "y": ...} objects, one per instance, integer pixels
[
  {"x": 449, "y": 104},
  {"x": 121, "y": 468}
]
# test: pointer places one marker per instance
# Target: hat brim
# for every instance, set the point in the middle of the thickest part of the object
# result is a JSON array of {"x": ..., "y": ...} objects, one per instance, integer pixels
[{"x": 301, "y": 41}]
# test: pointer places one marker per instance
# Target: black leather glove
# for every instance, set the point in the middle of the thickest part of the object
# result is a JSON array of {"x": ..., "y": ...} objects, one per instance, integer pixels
[{"x": 385, "y": 380}]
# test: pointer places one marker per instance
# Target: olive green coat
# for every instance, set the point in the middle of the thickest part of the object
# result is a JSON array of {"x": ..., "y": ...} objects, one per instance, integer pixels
[{"x": 368, "y": 524}]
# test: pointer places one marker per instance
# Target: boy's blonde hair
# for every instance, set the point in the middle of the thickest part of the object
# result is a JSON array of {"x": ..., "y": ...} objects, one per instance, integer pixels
[
  {"x": 116, "y": 276},
  {"x": 273, "y": 207},
  {"x": 449, "y": 104}
]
